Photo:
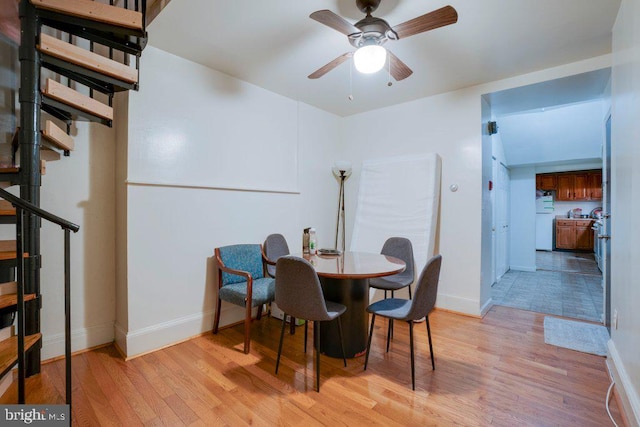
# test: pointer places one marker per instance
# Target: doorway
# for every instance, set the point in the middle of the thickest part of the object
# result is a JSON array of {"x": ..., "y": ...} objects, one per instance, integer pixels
[{"x": 571, "y": 139}]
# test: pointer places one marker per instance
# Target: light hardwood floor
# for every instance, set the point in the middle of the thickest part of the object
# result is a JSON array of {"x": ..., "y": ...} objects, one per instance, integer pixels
[{"x": 494, "y": 371}]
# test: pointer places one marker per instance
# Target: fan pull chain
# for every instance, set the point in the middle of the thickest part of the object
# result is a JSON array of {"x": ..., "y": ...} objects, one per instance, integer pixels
[
  {"x": 351, "y": 80},
  {"x": 389, "y": 67}
]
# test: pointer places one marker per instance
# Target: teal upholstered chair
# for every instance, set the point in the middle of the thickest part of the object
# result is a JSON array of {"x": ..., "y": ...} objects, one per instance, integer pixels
[{"x": 241, "y": 281}]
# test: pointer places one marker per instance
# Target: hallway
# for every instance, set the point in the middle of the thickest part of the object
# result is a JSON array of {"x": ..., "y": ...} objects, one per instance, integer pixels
[{"x": 566, "y": 284}]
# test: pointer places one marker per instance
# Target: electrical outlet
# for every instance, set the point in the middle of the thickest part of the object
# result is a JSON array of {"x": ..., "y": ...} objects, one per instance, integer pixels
[{"x": 615, "y": 319}]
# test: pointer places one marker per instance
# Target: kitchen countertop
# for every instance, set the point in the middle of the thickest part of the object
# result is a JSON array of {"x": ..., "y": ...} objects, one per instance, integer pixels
[{"x": 575, "y": 219}]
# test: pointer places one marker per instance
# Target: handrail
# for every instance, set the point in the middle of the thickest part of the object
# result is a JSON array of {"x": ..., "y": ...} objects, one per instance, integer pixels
[{"x": 29, "y": 207}]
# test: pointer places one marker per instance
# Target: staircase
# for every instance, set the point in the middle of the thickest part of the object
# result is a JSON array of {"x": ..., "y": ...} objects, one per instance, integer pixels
[{"x": 81, "y": 87}]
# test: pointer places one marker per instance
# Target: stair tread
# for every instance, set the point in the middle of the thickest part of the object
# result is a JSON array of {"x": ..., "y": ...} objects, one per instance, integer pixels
[
  {"x": 6, "y": 208},
  {"x": 8, "y": 250},
  {"x": 75, "y": 99},
  {"x": 9, "y": 350},
  {"x": 94, "y": 11},
  {"x": 57, "y": 136},
  {"x": 84, "y": 58},
  {"x": 9, "y": 300}
]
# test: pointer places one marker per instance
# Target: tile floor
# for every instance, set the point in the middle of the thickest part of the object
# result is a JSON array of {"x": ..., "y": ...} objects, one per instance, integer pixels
[{"x": 566, "y": 284}]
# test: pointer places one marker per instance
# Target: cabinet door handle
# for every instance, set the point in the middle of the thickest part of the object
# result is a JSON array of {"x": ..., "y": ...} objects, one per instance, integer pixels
[{"x": 604, "y": 236}]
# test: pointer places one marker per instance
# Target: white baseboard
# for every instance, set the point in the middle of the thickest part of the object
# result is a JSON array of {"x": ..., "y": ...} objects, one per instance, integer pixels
[
  {"x": 624, "y": 385},
  {"x": 522, "y": 268},
  {"x": 150, "y": 338},
  {"x": 81, "y": 339},
  {"x": 486, "y": 307},
  {"x": 458, "y": 304}
]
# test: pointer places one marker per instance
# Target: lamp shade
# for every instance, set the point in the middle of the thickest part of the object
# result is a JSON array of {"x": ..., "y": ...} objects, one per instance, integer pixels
[{"x": 370, "y": 59}]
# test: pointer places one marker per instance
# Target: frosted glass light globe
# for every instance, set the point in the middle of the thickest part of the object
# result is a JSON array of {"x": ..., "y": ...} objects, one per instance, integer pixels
[{"x": 370, "y": 59}]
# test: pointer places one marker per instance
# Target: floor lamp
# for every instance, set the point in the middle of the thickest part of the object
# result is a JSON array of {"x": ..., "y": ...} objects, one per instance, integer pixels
[{"x": 342, "y": 171}]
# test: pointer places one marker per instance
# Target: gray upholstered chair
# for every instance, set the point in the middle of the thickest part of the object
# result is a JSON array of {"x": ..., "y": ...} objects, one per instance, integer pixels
[
  {"x": 275, "y": 246},
  {"x": 401, "y": 248},
  {"x": 299, "y": 294},
  {"x": 241, "y": 282},
  {"x": 410, "y": 310}
]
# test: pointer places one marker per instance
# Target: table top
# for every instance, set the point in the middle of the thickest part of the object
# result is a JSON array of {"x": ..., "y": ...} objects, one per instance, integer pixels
[{"x": 355, "y": 265}]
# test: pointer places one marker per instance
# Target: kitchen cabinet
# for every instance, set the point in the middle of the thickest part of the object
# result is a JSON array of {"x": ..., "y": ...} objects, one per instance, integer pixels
[
  {"x": 546, "y": 181},
  {"x": 584, "y": 235},
  {"x": 565, "y": 187},
  {"x": 584, "y": 185},
  {"x": 575, "y": 234},
  {"x": 595, "y": 185}
]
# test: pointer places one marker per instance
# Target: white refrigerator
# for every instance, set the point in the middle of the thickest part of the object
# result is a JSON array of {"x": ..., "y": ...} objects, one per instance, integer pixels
[{"x": 544, "y": 223}]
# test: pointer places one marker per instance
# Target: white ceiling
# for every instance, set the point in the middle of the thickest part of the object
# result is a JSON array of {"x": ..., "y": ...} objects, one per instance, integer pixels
[{"x": 275, "y": 45}]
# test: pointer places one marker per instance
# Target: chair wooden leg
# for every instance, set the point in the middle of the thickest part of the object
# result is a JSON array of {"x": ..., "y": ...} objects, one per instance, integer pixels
[
  {"x": 216, "y": 321},
  {"x": 413, "y": 368},
  {"x": 306, "y": 331},
  {"x": 284, "y": 321},
  {"x": 247, "y": 328},
  {"x": 433, "y": 362},
  {"x": 344, "y": 355},
  {"x": 366, "y": 357},
  {"x": 259, "y": 315},
  {"x": 316, "y": 336}
]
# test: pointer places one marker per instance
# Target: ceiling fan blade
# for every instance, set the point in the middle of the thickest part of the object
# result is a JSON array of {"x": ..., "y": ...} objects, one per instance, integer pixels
[
  {"x": 334, "y": 21},
  {"x": 399, "y": 70},
  {"x": 330, "y": 66},
  {"x": 438, "y": 18}
]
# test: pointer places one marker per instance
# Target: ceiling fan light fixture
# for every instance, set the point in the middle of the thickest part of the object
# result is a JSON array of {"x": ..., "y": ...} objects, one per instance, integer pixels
[{"x": 370, "y": 59}]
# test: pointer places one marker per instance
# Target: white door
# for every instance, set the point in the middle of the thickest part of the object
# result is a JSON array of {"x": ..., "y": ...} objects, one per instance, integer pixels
[{"x": 502, "y": 221}]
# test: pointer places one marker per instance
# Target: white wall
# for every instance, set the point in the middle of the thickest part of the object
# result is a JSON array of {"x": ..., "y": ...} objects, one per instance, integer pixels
[
  {"x": 522, "y": 205},
  {"x": 80, "y": 188},
  {"x": 276, "y": 177},
  {"x": 624, "y": 346},
  {"x": 568, "y": 132}
]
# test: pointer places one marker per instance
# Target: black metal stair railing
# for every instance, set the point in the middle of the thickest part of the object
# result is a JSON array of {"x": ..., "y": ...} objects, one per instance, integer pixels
[{"x": 22, "y": 208}]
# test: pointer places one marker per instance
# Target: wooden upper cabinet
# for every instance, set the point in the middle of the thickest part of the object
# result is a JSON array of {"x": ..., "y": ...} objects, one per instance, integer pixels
[
  {"x": 546, "y": 181},
  {"x": 565, "y": 187},
  {"x": 583, "y": 185},
  {"x": 595, "y": 185}
]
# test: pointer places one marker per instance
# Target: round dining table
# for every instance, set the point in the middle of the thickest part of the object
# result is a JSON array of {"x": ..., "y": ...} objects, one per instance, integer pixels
[{"x": 345, "y": 280}]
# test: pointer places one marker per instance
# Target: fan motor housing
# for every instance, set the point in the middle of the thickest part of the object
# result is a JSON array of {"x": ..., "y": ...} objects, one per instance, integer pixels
[{"x": 373, "y": 31}]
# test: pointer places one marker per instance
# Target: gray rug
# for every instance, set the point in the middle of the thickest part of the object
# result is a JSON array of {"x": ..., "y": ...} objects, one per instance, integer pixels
[{"x": 580, "y": 336}]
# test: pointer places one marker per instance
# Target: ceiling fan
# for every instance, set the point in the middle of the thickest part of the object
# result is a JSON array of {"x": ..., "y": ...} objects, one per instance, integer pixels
[{"x": 370, "y": 33}]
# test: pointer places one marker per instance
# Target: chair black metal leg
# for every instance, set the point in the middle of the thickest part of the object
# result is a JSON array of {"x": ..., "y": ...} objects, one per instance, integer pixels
[
  {"x": 409, "y": 287},
  {"x": 393, "y": 295},
  {"x": 306, "y": 331},
  {"x": 344, "y": 355},
  {"x": 284, "y": 322},
  {"x": 413, "y": 368},
  {"x": 366, "y": 358},
  {"x": 316, "y": 336},
  {"x": 433, "y": 363},
  {"x": 385, "y": 294},
  {"x": 389, "y": 330}
]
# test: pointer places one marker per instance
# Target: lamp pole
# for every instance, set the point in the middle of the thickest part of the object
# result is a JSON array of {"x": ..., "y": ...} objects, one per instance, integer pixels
[{"x": 343, "y": 176}]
